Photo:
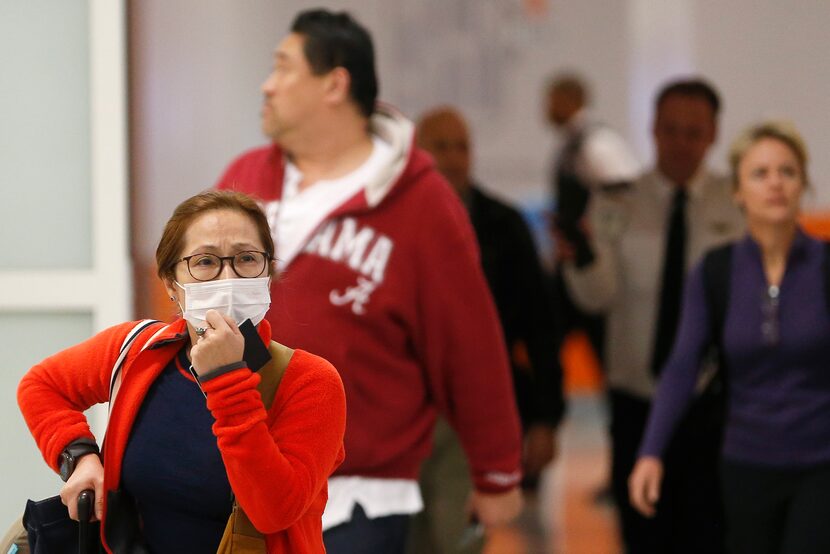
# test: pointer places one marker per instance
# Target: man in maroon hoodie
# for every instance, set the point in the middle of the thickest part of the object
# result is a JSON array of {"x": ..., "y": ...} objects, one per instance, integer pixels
[{"x": 380, "y": 275}]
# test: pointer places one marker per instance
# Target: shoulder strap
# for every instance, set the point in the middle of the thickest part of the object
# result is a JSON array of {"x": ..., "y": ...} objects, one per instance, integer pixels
[
  {"x": 825, "y": 266},
  {"x": 270, "y": 375},
  {"x": 717, "y": 266},
  {"x": 272, "y": 372},
  {"x": 115, "y": 376},
  {"x": 717, "y": 270}
]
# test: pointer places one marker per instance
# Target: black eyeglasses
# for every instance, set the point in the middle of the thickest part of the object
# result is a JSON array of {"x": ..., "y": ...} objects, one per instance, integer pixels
[
  {"x": 770, "y": 332},
  {"x": 207, "y": 267}
]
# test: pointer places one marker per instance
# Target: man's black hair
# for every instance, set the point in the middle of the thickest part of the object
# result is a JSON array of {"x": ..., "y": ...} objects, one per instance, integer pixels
[
  {"x": 337, "y": 40},
  {"x": 695, "y": 87}
]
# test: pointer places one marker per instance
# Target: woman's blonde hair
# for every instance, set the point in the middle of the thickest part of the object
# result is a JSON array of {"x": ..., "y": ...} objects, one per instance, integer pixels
[{"x": 782, "y": 131}]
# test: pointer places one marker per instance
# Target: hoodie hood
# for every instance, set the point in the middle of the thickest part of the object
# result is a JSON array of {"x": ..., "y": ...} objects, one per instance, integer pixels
[
  {"x": 404, "y": 166},
  {"x": 261, "y": 171},
  {"x": 398, "y": 132}
]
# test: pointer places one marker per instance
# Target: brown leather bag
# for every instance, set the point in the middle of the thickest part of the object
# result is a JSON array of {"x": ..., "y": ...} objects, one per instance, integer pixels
[
  {"x": 17, "y": 537},
  {"x": 240, "y": 536}
]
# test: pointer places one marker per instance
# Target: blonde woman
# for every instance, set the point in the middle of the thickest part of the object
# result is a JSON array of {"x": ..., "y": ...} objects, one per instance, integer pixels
[{"x": 775, "y": 341}]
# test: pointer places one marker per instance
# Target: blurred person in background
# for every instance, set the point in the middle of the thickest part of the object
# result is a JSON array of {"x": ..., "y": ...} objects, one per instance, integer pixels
[
  {"x": 592, "y": 157},
  {"x": 772, "y": 326},
  {"x": 517, "y": 281},
  {"x": 380, "y": 274},
  {"x": 643, "y": 239}
]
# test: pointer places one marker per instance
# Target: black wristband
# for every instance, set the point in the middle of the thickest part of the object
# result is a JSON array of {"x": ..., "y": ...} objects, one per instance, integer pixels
[
  {"x": 222, "y": 370},
  {"x": 74, "y": 451}
]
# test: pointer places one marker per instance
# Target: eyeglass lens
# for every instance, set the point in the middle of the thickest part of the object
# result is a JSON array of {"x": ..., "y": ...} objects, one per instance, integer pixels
[{"x": 204, "y": 267}]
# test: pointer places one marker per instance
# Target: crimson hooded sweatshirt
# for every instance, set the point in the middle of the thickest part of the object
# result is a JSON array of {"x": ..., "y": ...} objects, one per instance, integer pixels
[{"x": 389, "y": 288}]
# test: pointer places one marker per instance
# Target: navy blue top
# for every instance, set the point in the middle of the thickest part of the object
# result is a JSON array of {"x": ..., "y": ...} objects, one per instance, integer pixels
[
  {"x": 173, "y": 469},
  {"x": 779, "y": 394}
]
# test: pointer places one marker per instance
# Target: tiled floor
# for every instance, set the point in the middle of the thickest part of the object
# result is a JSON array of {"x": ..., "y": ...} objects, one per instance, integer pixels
[{"x": 566, "y": 517}]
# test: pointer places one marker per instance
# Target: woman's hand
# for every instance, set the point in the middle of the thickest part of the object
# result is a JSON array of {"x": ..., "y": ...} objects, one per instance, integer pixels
[
  {"x": 222, "y": 344},
  {"x": 88, "y": 474},
  {"x": 644, "y": 484}
]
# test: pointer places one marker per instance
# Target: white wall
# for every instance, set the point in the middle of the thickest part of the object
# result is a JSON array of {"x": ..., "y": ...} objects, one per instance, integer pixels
[
  {"x": 65, "y": 270},
  {"x": 197, "y": 67},
  {"x": 770, "y": 60}
]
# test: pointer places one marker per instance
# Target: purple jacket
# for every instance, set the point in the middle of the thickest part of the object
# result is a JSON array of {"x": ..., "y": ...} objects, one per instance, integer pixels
[{"x": 779, "y": 394}]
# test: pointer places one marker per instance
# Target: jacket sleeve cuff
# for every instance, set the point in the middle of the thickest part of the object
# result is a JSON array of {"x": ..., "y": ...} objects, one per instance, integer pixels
[
  {"x": 495, "y": 482},
  {"x": 221, "y": 371}
]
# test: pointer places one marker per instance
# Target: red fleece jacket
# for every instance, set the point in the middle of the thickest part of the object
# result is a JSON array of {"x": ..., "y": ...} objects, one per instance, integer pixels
[{"x": 277, "y": 461}]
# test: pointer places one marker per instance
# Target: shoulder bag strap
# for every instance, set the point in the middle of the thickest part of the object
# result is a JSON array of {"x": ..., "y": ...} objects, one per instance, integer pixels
[
  {"x": 826, "y": 268},
  {"x": 115, "y": 376},
  {"x": 270, "y": 375},
  {"x": 272, "y": 372},
  {"x": 717, "y": 269},
  {"x": 717, "y": 276}
]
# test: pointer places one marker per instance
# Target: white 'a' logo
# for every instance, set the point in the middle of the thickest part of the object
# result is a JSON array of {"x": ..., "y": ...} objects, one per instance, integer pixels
[{"x": 352, "y": 246}]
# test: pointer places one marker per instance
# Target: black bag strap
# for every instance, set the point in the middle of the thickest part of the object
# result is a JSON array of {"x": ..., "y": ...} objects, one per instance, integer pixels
[
  {"x": 717, "y": 273},
  {"x": 825, "y": 266}
]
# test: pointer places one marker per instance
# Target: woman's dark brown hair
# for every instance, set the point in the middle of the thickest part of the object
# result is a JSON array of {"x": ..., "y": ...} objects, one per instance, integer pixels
[{"x": 169, "y": 250}]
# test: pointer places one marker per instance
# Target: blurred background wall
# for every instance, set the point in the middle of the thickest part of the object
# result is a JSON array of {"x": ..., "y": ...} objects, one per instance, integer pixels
[{"x": 196, "y": 67}]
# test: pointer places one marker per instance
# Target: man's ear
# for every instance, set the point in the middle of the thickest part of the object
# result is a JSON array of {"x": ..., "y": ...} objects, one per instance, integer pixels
[{"x": 339, "y": 82}]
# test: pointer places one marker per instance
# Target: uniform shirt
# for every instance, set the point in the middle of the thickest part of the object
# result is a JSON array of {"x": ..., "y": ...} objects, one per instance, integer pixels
[{"x": 629, "y": 230}]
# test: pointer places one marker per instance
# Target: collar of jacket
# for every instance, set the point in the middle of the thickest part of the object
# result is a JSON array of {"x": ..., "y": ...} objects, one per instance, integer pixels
[{"x": 151, "y": 358}]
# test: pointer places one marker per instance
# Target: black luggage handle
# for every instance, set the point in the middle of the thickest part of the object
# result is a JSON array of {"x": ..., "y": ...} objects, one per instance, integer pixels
[{"x": 86, "y": 509}]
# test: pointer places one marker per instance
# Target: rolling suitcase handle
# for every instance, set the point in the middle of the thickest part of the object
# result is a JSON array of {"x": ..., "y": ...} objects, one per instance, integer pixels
[{"x": 86, "y": 509}]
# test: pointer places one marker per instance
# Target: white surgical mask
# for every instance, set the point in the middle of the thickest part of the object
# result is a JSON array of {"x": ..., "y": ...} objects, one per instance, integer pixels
[{"x": 239, "y": 298}]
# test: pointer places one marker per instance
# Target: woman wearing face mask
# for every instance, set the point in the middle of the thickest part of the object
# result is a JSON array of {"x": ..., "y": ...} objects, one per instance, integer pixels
[
  {"x": 774, "y": 336},
  {"x": 188, "y": 432}
]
